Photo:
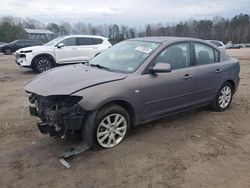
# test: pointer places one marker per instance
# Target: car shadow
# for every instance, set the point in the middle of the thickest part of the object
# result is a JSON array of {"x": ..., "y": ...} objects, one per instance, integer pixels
[
  {"x": 144, "y": 131},
  {"x": 167, "y": 122}
]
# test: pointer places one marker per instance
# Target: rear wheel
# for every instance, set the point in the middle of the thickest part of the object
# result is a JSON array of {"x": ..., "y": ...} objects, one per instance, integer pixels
[
  {"x": 223, "y": 98},
  {"x": 108, "y": 128},
  {"x": 8, "y": 51},
  {"x": 42, "y": 64}
]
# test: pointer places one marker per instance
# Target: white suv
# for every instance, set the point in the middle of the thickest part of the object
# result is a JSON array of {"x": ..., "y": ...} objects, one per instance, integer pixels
[
  {"x": 218, "y": 43},
  {"x": 61, "y": 50}
]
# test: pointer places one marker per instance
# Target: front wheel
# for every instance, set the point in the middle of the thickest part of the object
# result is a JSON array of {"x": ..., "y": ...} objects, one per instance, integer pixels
[
  {"x": 108, "y": 128},
  {"x": 42, "y": 64},
  {"x": 223, "y": 98},
  {"x": 8, "y": 51}
]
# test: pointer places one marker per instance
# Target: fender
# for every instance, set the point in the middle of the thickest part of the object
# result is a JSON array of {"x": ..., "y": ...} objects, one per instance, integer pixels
[{"x": 50, "y": 56}]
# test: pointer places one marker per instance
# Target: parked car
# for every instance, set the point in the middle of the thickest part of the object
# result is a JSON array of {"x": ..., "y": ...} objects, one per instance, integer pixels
[
  {"x": 230, "y": 45},
  {"x": 2, "y": 44},
  {"x": 133, "y": 82},
  {"x": 62, "y": 50},
  {"x": 218, "y": 43},
  {"x": 247, "y": 45},
  {"x": 10, "y": 48}
]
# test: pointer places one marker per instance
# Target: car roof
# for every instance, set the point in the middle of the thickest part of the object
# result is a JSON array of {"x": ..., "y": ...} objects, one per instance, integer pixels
[
  {"x": 92, "y": 36},
  {"x": 25, "y": 40},
  {"x": 166, "y": 39},
  {"x": 215, "y": 40}
]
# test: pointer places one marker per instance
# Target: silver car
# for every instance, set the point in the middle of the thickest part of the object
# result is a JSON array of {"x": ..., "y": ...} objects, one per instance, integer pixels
[{"x": 133, "y": 82}]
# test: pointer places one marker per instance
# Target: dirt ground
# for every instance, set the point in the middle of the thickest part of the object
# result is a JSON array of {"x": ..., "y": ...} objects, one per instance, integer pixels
[{"x": 200, "y": 148}]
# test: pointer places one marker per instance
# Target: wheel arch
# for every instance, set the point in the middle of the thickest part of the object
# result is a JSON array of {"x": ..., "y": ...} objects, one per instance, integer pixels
[
  {"x": 124, "y": 104},
  {"x": 3, "y": 49},
  {"x": 43, "y": 55},
  {"x": 232, "y": 83}
]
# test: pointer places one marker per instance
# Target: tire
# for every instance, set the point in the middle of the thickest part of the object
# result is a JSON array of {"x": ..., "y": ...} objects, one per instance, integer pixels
[
  {"x": 42, "y": 64},
  {"x": 8, "y": 51},
  {"x": 98, "y": 133},
  {"x": 223, "y": 98}
]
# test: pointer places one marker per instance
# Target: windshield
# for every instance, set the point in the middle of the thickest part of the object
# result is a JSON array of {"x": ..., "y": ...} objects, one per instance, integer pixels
[
  {"x": 125, "y": 56},
  {"x": 53, "y": 42},
  {"x": 14, "y": 42}
]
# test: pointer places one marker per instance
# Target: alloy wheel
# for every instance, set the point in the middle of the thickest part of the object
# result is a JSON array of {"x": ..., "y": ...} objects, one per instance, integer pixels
[
  {"x": 43, "y": 65},
  {"x": 111, "y": 130},
  {"x": 225, "y": 97}
]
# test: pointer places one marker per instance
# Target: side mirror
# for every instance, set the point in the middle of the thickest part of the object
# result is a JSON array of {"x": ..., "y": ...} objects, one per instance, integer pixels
[
  {"x": 161, "y": 68},
  {"x": 60, "y": 45}
]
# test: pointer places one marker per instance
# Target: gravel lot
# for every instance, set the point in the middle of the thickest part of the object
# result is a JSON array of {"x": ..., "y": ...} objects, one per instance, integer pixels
[{"x": 200, "y": 148}]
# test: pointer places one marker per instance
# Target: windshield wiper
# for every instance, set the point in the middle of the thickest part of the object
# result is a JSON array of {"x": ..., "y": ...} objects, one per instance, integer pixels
[{"x": 100, "y": 67}]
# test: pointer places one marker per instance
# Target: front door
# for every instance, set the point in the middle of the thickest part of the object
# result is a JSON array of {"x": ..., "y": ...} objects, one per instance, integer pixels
[
  {"x": 167, "y": 92},
  {"x": 68, "y": 53}
]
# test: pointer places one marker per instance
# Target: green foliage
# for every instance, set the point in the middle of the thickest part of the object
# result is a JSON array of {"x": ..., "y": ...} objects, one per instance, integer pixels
[
  {"x": 54, "y": 28},
  {"x": 236, "y": 29},
  {"x": 10, "y": 32}
]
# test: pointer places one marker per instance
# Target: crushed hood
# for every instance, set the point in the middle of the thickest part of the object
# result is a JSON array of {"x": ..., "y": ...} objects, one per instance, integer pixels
[{"x": 66, "y": 80}]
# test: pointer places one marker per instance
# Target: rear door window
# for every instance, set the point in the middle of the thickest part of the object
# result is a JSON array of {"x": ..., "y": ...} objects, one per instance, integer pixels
[
  {"x": 205, "y": 54},
  {"x": 84, "y": 41}
]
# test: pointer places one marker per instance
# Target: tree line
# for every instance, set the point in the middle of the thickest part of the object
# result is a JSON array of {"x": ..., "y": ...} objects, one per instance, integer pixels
[{"x": 236, "y": 29}]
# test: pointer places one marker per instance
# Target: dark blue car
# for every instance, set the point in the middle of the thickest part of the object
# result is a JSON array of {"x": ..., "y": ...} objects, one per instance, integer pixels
[{"x": 9, "y": 48}]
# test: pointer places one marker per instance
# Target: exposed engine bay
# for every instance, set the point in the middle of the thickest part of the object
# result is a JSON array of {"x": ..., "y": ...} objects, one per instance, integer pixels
[{"x": 60, "y": 115}]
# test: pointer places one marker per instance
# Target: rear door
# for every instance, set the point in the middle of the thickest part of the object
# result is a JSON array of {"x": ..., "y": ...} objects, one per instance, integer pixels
[
  {"x": 208, "y": 72},
  {"x": 68, "y": 53},
  {"x": 87, "y": 47}
]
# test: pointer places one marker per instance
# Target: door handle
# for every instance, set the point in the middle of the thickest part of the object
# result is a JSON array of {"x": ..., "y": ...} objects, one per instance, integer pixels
[
  {"x": 188, "y": 76},
  {"x": 218, "y": 71}
]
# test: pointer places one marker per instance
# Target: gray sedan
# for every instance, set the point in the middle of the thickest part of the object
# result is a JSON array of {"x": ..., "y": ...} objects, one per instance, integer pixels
[{"x": 133, "y": 82}]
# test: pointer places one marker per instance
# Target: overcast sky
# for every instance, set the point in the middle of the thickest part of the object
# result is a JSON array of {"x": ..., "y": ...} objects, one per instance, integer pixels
[{"x": 129, "y": 12}]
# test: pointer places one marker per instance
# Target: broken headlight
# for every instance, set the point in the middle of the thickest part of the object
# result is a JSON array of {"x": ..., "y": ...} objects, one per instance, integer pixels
[{"x": 59, "y": 114}]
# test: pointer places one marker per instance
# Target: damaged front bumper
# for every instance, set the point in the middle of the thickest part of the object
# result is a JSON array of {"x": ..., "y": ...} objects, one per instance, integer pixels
[{"x": 60, "y": 115}]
